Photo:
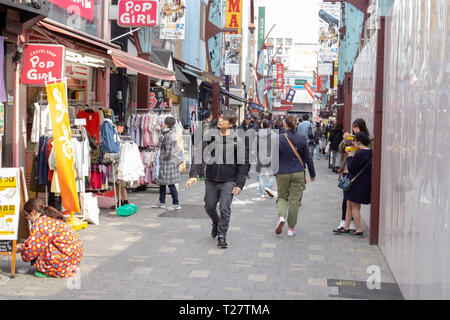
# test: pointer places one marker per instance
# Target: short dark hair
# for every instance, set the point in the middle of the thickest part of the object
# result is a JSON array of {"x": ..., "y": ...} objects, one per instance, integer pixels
[
  {"x": 230, "y": 116},
  {"x": 208, "y": 114},
  {"x": 266, "y": 124},
  {"x": 305, "y": 117},
  {"x": 169, "y": 121},
  {"x": 363, "y": 138}
]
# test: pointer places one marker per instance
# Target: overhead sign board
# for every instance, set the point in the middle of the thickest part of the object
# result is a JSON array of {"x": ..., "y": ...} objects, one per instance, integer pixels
[
  {"x": 280, "y": 76},
  {"x": 234, "y": 15},
  {"x": 41, "y": 63},
  {"x": 325, "y": 69},
  {"x": 309, "y": 89},
  {"x": 172, "y": 24},
  {"x": 82, "y": 8},
  {"x": 138, "y": 13}
]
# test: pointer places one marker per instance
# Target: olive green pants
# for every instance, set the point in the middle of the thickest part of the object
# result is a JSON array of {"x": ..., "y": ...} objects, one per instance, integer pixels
[{"x": 289, "y": 194}]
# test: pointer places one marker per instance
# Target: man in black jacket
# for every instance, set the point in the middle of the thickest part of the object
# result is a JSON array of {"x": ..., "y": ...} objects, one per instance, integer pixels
[{"x": 226, "y": 172}]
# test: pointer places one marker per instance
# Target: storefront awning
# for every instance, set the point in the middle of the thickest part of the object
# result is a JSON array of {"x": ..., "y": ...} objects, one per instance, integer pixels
[
  {"x": 120, "y": 58},
  {"x": 125, "y": 60},
  {"x": 224, "y": 92}
]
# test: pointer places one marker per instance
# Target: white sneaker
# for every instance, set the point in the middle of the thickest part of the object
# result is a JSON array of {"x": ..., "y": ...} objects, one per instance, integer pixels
[
  {"x": 159, "y": 205},
  {"x": 341, "y": 225},
  {"x": 352, "y": 225},
  {"x": 291, "y": 232},
  {"x": 281, "y": 222},
  {"x": 262, "y": 196},
  {"x": 174, "y": 207}
]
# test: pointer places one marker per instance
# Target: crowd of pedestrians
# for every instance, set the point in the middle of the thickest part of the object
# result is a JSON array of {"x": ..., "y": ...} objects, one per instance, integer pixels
[{"x": 225, "y": 173}]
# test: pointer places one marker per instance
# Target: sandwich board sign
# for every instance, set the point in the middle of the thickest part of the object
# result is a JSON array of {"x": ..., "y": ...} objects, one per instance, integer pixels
[{"x": 13, "y": 196}]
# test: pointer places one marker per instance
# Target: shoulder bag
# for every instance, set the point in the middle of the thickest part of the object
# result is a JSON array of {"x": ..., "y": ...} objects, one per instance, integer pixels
[
  {"x": 345, "y": 183},
  {"x": 299, "y": 158}
]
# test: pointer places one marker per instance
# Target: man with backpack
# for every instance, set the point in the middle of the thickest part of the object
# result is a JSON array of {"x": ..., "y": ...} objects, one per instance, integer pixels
[{"x": 306, "y": 128}]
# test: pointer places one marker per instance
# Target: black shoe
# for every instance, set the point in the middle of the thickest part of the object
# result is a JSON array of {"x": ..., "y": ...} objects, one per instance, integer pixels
[
  {"x": 221, "y": 242},
  {"x": 214, "y": 231}
]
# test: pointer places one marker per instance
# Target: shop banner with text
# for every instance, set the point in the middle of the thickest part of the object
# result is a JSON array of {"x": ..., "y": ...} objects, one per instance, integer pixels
[
  {"x": 234, "y": 15},
  {"x": 82, "y": 8},
  {"x": 9, "y": 203},
  {"x": 42, "y": 63},
  {"x": 173, "y": 20},
  {"x": 62, "y": 144},
  {"x": 280, "y": 76},
  {"x": 138, "y": 13}
]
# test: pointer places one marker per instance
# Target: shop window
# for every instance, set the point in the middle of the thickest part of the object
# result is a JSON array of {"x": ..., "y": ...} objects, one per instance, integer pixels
[{"x": 75, "y": 21}]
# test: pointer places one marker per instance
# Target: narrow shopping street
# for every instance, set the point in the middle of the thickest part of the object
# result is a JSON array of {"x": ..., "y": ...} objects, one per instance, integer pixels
[{"x": 157, "y": 254}]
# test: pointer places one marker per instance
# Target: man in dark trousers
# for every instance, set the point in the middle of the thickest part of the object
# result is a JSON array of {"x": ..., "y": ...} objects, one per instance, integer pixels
[{"x": 226, "y": 173}]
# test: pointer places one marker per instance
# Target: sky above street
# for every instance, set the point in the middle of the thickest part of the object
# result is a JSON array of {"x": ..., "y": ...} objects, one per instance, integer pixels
[{"x": 300, "y": 18}]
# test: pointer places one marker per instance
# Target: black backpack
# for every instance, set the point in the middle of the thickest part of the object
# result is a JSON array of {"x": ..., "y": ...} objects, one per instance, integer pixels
[{"x": 310, "y": 132}]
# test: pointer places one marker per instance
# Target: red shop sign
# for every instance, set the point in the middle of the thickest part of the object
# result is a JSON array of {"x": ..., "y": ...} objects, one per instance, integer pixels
[
  {"x": 82, "y": 8},
  {"x": 41, "y": 63},
  {"x": 138, "y": 13},
  {"x": 280, "y": 76}
]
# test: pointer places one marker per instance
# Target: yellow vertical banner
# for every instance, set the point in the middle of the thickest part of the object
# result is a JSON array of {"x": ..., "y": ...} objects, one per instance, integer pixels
[
  {"x": 62, "y": 144},
  {"x": 234, "y": 15}
]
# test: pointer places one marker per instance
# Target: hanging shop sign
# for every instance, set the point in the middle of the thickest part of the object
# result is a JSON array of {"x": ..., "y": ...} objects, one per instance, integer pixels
[
  {"x": 62, "y": 144},
  {"x": 138, "y": 13},
  {"x": 309, "y": 89},
  {"x": 325, "y": 69},
  {"x": 280, "y": 76},
  {"x": 41, "y": 63},
  {"x": 234, "y": 15},
  {"x": 157, "y": 99},
  {"x": 232, "y": 54},
  {"x": 261, "y": 26},
  {"x": 290, "y": 95},
  {"x": 172, "y": 17},
  {"x": 82, "y": 8}
]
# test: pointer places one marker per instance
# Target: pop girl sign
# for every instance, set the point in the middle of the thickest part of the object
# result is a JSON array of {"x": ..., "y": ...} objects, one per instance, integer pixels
[{"x": 42, "y": 63}]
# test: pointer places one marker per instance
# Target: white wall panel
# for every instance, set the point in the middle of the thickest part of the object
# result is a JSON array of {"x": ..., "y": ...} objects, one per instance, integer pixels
[{"x": 414, "y": 208}]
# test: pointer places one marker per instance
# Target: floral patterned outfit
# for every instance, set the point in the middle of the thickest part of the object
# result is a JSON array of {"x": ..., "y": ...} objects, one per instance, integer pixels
[{"x": 55, "y": 246}]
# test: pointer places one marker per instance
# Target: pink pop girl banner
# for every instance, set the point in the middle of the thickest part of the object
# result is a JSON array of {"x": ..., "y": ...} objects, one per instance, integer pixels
[{"x": 83, "y": 8}]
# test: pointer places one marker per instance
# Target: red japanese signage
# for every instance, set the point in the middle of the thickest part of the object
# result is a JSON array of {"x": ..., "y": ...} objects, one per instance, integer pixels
[
  {"x": 138, "y": 13},
  {"x": 82, "y": 8},
  {"x": 280, "y": 76},
  {"x": 309, "y": 89},
  {"x": 41, "y": 63}
]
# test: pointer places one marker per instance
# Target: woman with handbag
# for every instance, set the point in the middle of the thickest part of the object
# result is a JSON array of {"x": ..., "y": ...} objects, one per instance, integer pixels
[
  {"x": 169, "y": 175},
  {"x": 357, "y": 183},
  {"x": 291, "y": 176},
  {"x": 359, "y": 125}
]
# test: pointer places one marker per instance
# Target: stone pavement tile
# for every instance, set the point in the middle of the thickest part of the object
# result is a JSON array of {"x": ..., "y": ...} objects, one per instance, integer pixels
[
  {"x": 265, "y": 254},
  {"x": 167, "y": 249},
  {"x": 257, "y": 277},
  {"x": 199, "y": 274},
  {"x": 142, "y": 271}
]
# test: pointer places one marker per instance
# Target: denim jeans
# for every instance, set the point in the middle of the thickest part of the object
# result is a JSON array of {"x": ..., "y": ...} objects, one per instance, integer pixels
[
  {"x": 173, "y": 193},
  {"x": 219, "y": 193},
  {"x": 315, "y": 149},
  {"x": 262, "y": 181}
]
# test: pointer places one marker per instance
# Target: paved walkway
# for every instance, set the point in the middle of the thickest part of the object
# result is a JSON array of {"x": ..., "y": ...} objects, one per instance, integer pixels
[{"x": 156, "y": 254}]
